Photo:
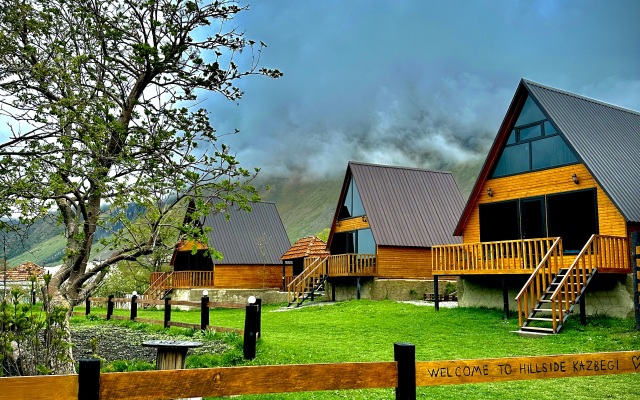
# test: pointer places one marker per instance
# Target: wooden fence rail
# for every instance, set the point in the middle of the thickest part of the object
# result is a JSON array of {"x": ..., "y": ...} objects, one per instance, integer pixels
[{"x": 405, "y": 374}]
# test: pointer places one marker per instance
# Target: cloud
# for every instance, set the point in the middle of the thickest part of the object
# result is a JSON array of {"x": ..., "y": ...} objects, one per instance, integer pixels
[{"x": 416, "y": 83}]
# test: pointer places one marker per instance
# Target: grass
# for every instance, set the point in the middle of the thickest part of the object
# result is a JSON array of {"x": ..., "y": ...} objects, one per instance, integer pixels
[{"x": 365, "y": 331}]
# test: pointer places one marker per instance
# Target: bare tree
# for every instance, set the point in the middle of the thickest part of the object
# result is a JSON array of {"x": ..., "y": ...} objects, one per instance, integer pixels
[{"x": 102, "y": 98}]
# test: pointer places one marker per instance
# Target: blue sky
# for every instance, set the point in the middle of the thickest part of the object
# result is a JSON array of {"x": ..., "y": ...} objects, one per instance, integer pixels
[{"x": 420, "y": 83}]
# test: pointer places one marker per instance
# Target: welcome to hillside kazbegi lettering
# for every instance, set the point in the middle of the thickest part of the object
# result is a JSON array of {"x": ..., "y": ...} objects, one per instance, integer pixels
[{"x": 433, "y": 373}]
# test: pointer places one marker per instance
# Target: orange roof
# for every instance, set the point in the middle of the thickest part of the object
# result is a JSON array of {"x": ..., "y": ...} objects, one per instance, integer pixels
[
  {"x": 22, "y": 272},
  {"x": 309, "y": 246}
]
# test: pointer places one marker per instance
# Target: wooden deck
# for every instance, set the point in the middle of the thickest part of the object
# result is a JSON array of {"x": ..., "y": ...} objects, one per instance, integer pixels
[{"x": 523, "y": 257}]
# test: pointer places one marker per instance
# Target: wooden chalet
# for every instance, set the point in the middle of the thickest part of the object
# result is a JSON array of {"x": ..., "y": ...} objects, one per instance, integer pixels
[
  {"x": 555, "y": 202},
  {"x": 386, "y": 221},
  {"x": 251, "y": 244}
]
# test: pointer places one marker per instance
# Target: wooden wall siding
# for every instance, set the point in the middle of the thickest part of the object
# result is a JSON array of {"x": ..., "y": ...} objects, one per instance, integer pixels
[
  {"x": 556, "y": 180},
  {"x": 247, "y": 276},
  {"x": 404, "y": 262},
  {"x": 351, "y": 224}
]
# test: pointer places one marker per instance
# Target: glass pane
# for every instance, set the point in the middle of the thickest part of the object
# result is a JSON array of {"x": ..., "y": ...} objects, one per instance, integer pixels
[
  {"x": 514, "y": 159},
  {"x": 530, "y": 132},
  {"x": 573, "y": 216},
  {"x": 346, "y": 210},
  {"x": 512, "y": 137},
  {"x": 499, "y": 221},
  {"x": 530, "y": 113},
  {"x": 366, "y": 244},
  {"x": 357, "y": 207},
  {"x": 551, "y": 152},
  {"x": 549, "y": 129}
]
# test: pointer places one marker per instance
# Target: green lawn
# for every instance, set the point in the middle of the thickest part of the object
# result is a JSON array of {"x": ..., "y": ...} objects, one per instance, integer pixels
[{"x": 366, "y": 330}]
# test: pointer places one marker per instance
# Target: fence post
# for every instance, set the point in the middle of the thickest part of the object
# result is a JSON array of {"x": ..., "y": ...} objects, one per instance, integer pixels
[
  {"x": 405, "y": 355},
  {"x": 204, "y": 310},
  {"x": 436, "y": 297},
  {"x": 259, "y": 318},
  {"x": 167, "y": 312},
  {"x": 87, "y": 306},
  {"x": 89, "y": 379},
  {"x": 635, "y": 242},
  {"x": 109, "y": 306},
  {"x": 250, "y": 321},
  {"x": 134, "y": 306}
]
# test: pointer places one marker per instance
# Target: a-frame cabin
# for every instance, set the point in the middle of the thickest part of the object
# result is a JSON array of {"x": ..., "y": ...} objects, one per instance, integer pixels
[
  {"x": 386, "y": 221},
  {"x": 555, "y": 202},
  {"x": 251, "y": 244}
]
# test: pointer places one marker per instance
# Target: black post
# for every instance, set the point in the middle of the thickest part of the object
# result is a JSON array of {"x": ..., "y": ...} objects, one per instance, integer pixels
[
  {"x": 635, "y": 242},
  {"x": 405, "y": 355},
  {"x": 583, "y": 312},
  {"x": 167, "y": 312},
  {"x": 204, "y": 312},
  {"x": 134, "y": 307},
  {"x": 436, "y": 297},
  {"x": 89, "y": 379},
  {"x": 333, "y": 291},
  {"x": 505, "y": 298},
  {"x": 358, "y": 287},
  {"x": 109, "y": 306},
  {"x": 259, "y": 318},
  {"x": 250, "y": 320},
  {"x": 87, "y": 306}
]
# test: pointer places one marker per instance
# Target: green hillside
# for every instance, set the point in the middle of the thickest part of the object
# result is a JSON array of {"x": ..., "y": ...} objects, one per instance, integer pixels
[{"x": 306, "y": 207}]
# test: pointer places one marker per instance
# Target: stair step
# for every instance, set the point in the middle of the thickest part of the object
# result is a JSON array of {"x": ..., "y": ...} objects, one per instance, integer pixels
[
  {"x": 536, "y": 329},
  {"x": 532, "y": 334},
  {"x": 541, "y": 319}
]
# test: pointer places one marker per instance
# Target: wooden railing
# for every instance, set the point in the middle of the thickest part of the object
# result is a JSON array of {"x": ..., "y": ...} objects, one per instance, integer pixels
[
  {"x": 315, "y": 269},
  {"x": 161, "y": 283},
  {"x": 515, "y": 256},
  {"x": 607, "y": 252},
  {"x": 539, "y": 281},
  {"x": 352, "y": 265},
  {"x": 192, "y": 279}
]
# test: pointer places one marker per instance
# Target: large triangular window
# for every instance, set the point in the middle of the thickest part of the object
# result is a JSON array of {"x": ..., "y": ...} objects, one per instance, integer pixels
[
  {"x": 534, "y": 144},
  {"x": 352, "y": 206}
]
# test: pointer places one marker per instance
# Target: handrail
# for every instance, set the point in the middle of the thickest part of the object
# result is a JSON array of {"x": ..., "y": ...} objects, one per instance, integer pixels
[
  {"x": 159, "y": 284},
  {"x": 586, "y": 263},
  {"x": 538, "y": 282},
  {"x": 298, "y": 285}
]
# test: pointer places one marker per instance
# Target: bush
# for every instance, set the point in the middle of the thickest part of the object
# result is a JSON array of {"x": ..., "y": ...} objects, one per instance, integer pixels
[{"x": 31, "y": 336}]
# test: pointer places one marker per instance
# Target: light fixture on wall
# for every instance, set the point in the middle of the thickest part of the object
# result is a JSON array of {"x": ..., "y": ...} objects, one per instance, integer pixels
[
  {"x": 489, "y": 192},
  {"x": 574, "y": 178},
  {"x": 364, "y": 218}
]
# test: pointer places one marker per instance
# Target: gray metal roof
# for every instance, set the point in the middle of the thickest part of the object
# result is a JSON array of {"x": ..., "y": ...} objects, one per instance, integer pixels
[
  {"x": 408, "y": 206},
  {"x": 604, "y": 136},
  {"x": 257, "y": 237}
]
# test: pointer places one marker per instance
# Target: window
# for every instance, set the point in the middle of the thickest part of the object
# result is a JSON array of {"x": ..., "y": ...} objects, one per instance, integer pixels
[
  {"x": 573, "y": 216},
  {"x": 352, "y": 206},
  {"x": 359, "y": 241},
  {"x": 499, "y": 221},
  {"x": 533, "y": 144}
]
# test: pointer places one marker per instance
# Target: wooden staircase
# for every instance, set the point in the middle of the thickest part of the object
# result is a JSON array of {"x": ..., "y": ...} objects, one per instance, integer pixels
[
  {"x": 161, "y": 285},
  {"x": 552, "y": 292},
  {"x": 309, "y": 282}
]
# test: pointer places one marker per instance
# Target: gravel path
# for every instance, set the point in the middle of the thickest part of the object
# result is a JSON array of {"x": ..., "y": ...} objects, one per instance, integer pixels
[{"x": 119, "y": 343}]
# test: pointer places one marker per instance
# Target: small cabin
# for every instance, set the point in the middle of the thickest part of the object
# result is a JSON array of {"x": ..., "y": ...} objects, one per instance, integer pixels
[
  {"x": 308, "y": 247},
  {"x": 251, "y": 244},
  {"x": 386, "y": 221},
  {"x": 549, "y": 218}
]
